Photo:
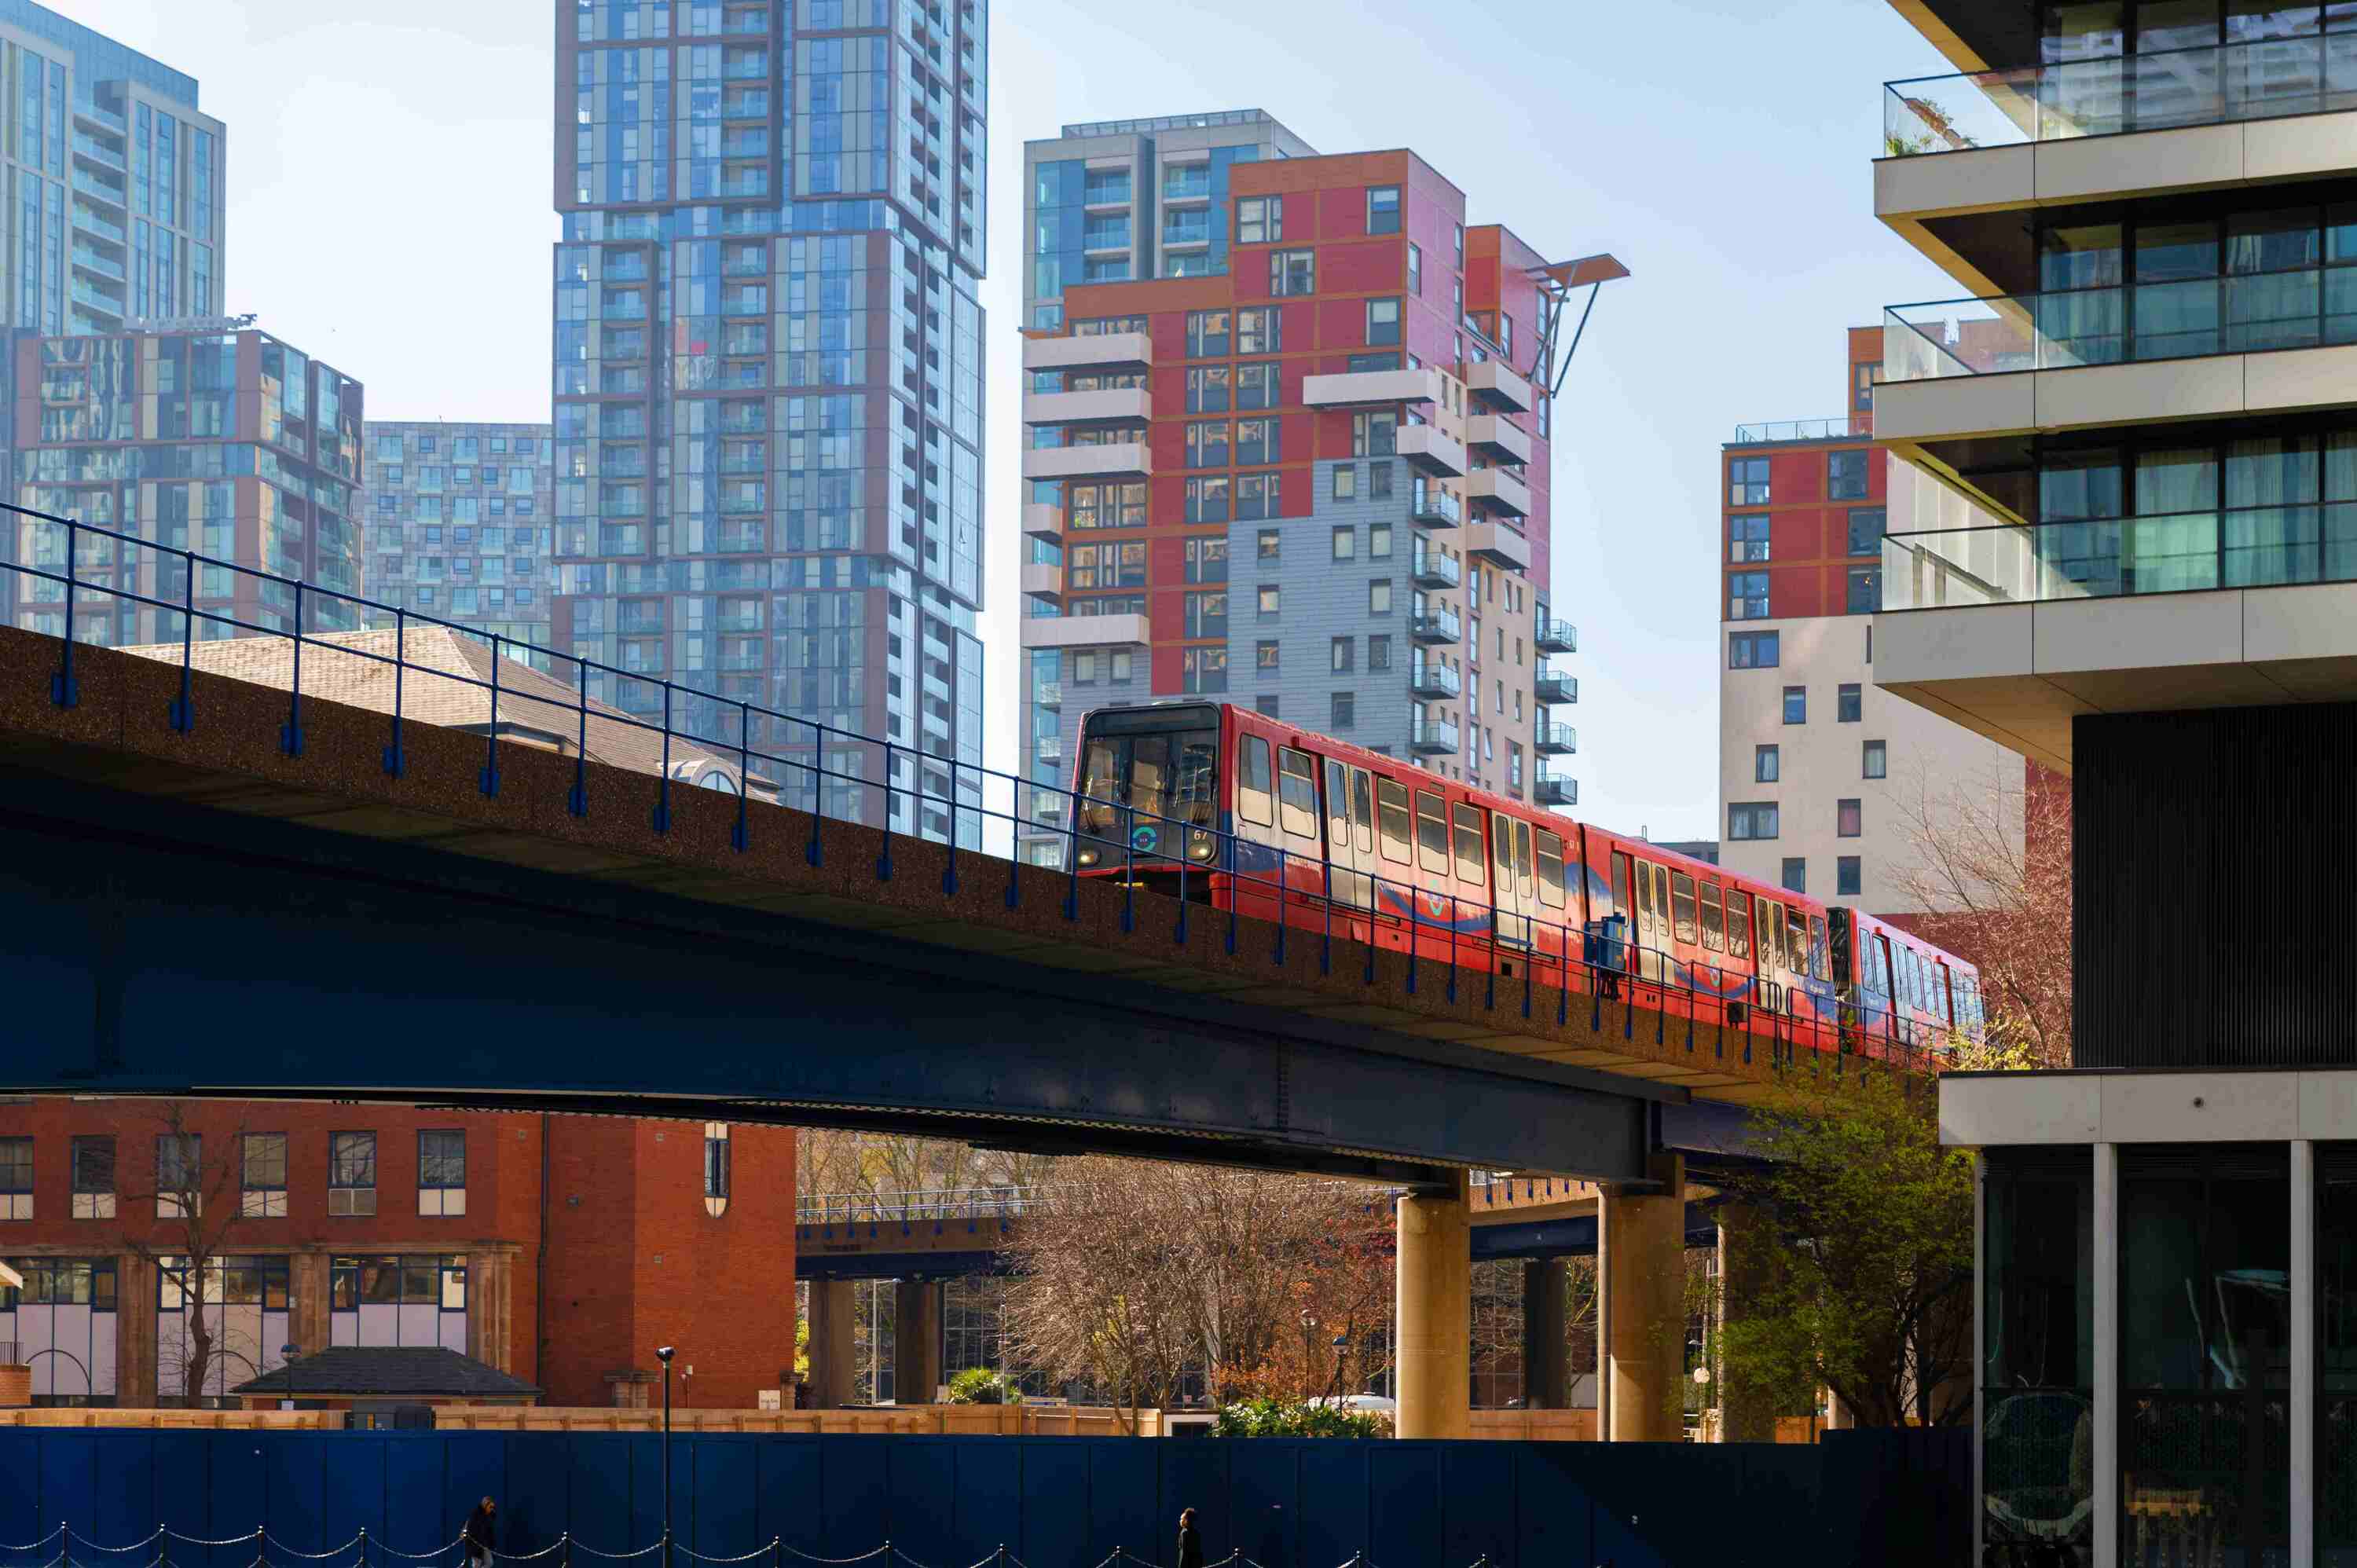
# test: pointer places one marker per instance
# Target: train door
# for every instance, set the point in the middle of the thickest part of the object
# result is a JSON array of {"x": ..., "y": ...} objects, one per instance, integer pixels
[
  {"x": 1797, "y": 999},
  {"x": 1395, "y": 870},
  {"x": 1740, "y": 965},
  {"x": 1344, "y": 876},
  {"x": 1513, "y": 888},
  {"x": 1474, "y": 901},
  {"x": 1558, "y": 931},
  {"x": 1624, "y": 904},
  {"x": 1943, "y": 996},
  {"x": 1711, "y": 971},
  {"x": 1651, "y": 935},
  {"x": 1767, "y": 947},
  {"x": 1301, "y": 869},
  {"x": 1432, "y": 902},
  {"x": 1886, "y": 1001}
]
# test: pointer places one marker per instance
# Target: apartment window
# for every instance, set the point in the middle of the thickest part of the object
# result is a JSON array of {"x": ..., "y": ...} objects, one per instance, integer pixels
[
  {"x": 718, "y": 1168},
  {"x": 1266, "y": 705},
  {"x": 1342, "y": 654},
  {"x": 1346, "y": 544},
  {"x": 1845, "y": 475},
  {"x": 1747, "y": 481},
  {"x": 261, "y": 1175},
  {"x": 1746, "y": 596},
  {"x": 1207, "y": 560},
  {"x": 1766, "y": 764},
  {"x": 1379, "y": 596},
  {"x": 1373, "y": 435},
  {"x": 1865, "y": 590},
  {"x": 1259, "y": 440},
  {"x": 1207, "y": 498},
  {"x": 1345, "y": 485},
  {"x": 1256, "y": 386},
  {"x": 1848, "y": 875},
  {"x": 1753, "y": 819},
  {"x": 1207, "y": 614},
  {"x": 1292, "y": 272},
  {"x": 1796, "y": 704},
  {"x": 1267, "y": 656},
  {"x": 1207, "y": 445},
  {"x": 93, "y": 1178},
  {"x": 1206, "y": 334},
  {"x": 1203, "y": 669},
  {"x": 1379, "y": 651},
  {"x": 1847, "y": 697},
  {"x": 1797, "y": 875},
  {"x": 1272, "y": 600},
  {"x": 1753, "y": 649},
  {"x": 1747, "y": 537},
  {"x": 351, "y": 1174},
  {"x": 441, "y": 1172},
  {"x": 1208, "y": 389},
  {"x": 1379, "y": 482},
  {"x": 1863, "y": 379},
  {"x": 1415, "y": 268},
  {"x": 1260, "y": 330},
  {"x": 15, "y": 1178},
  {"x": 1343, "y": 710},
  {"x": 1260, "y": 220},
  {"x": 1382, "y": 323},
  {"x": 1865, "y": 526},
  {"x": 1877, "y": 762},
  {"x": 179, "y": 1175},
  {"x": 1383, "y": 210}
]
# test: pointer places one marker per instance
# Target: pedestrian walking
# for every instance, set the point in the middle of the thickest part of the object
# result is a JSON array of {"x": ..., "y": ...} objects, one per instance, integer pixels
[
  {"x": 482, "y": 1533},
  {"x": 1190, "y": 1543}
]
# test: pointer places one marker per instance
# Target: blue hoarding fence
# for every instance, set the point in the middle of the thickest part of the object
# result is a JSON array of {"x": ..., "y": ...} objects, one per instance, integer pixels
[{"x": 155, "y": 1551}]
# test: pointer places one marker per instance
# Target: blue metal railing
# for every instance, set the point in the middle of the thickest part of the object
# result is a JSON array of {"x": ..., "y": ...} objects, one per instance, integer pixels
[{"x": 1459, "y": 929}]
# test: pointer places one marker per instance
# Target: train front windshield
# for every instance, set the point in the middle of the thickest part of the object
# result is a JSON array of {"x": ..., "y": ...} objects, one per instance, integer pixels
[{"x": 1139, "y": 784}]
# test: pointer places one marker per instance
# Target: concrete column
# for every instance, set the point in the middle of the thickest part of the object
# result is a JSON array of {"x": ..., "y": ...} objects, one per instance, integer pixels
[
  {"x": 916, "y": 1341},
  {"x": 135, "y": 1332},
  {"x": 1641, "y": 1252},
  {"x": 2107, "y": 1355},
  {"x": 1745, "y": 1414},
  {"x": 1546, "y": 1359},
  {"x": 2303, "y": 1353},
  {"x": 832, "y": 1357},
  {"x": 307, "y": 1282},
  {"x": 1434, "y": 1286}
]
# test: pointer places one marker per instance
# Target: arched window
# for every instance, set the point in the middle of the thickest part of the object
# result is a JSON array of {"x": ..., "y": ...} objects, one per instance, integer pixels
[{"x": 715, "y": 1168}]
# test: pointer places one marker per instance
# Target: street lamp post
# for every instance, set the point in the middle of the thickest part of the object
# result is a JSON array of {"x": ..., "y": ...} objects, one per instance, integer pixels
[
  {"x": 663, "y": 1354},
  {"x": 288, "y": 1353}
]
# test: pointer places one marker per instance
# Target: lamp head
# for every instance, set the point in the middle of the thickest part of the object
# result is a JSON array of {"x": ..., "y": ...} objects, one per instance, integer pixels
[{"x": 663, "y": 1353}]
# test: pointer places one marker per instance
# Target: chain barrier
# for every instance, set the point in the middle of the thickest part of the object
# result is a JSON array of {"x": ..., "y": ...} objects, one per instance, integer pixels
[
  {"x": 559, "y": 1544},
  {"x": 647, "y": 1551},
  {"x": 741, "y": 1557}
]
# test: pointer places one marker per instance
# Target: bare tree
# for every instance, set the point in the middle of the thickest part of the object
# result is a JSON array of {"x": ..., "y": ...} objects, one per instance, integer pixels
[
  {"x": 831, "y": 1162},
  {"x": 1989, "y": 879},
  {"x": 197, "y": 1201}
]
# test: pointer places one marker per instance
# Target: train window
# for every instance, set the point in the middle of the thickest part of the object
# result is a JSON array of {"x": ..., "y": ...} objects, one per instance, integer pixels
[
  {"x": 1253, "y": 802},
  {"x": 1768, "y": 929},
  {"x": 1522, "y": 832},
  {"x": 1796, "y": 940},
  {"x": 1944, "y": 998},
  {"x": 1296, "y": 792},
  {"x": 1362, "y": 808},
  {"x": 1469, "y": 844},
  {"x": 1738, "y": 924},
  {"x": 1682, "y": 907},
  {"x": 1501, "y": 847},
  {"x": 1392, "y": 813},
  {"x": 1714, "y": 931},
  {"x": 1820, "y": 966},
  {"x": 1550, "y": 855},
  {"x": 1431, "y": 832},
  {"x": 1621, "y": 901},
  {"x": 1337, "y": 811}
]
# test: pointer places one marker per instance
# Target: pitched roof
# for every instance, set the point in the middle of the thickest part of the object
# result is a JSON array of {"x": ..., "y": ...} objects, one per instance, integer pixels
[
  {"x": 426, "y": 1371},
  {"x": 446, "y": 681}
]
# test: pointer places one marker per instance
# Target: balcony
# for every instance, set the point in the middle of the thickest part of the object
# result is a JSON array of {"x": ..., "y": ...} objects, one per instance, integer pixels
[
  {"x": 1429, "y": 506},
  {"x": 1551, "y": 636},
  {"x": 84, "y": 257},
  {"x": 1049, "y": 748},
  {"x": 1495, "y": 384},
  {"x": 1192, "y": 183},
  {"x": 1355, "y": 389},
  {"x": 1041, "y": 520},
  {"x": 1187, "y": 229},
  {"x": 85, "y": 109},
  {"x": 104, "y": 190},
  {"x": 1081, "y": 352},
  {"x": 1043, "y": 579},
  {"x": 1434, "y": 570},
  {"x": 84, "y": 219},
  {"x": 1555, "y": 740},
  {"x": 1555, "y": 688},
  {"x": 1498, "y": 544},
  {"x": 1428, "y": 448},
  {"x": 1087, "y": 631},
  {"x": 1049, "y": 694},
  {"x": 1433, "y": 737},
  {"x": 1131, "y": 404},
  {"x": 97, "y": 152},
  {"x": 1857, "y": 426},
  {"x": 1553, "y": 789},
  {"x": 1119, "y": 459},
  {"x": 1498, "y": 490},
  {"x": 1497, "y": 438},
  {"x": 1433, "y": 678},
  {"x": 1436, "y": 627}
]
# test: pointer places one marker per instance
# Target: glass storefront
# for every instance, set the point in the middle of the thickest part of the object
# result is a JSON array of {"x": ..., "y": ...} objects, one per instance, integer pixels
[
  {"x": 2037, "y": 1345},
  {"x": 2335, "y": 1355}
]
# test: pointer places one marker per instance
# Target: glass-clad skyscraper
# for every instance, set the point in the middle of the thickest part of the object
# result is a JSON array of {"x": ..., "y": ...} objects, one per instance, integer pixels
[{"x": 767, "y": 379}]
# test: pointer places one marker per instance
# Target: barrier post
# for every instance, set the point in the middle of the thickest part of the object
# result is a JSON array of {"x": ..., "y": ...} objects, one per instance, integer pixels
[
  {"x": 1284, "y": 879},
  {"x": 817, "y": 853},
  {"x": 64, "y": 691},
  {"x": 490, "y": 778},
  {"x": 392, "y": 759},
  {"x": 577, "y": 803},
  {"x": 741, "y": 837},
  {"x": 949, "y": 876},
  {"x": 663, "y": 787},
  {"x": 363, "y": 1557},
  {"x": 290, "y": 740},
  {"x": 184, "y": 710},
  {"x": 883, "y": 861}
]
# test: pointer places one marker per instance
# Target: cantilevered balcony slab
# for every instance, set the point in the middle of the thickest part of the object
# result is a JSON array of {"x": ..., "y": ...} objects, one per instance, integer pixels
[
  {"x": 1497, "y": 438},
  {"x": 1354, "y": 389},
  {"x": 1129, "y": 405},
  {"x": 1083, "y": 352},
  {"x": 1497, "y": 384},
  {"x": 1087, "y": 631},
  {"x": 1043, "y": 521},
  {"x": 1498, "y": 544},
  {"x": 1115, "y": 461},
  {"x": 1496, "y": 490},
  {"x": 1428, "y": 447}
]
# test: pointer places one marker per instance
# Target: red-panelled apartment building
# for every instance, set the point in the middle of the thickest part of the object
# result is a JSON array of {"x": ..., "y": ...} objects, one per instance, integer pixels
[
  {"x": 559, "y": 1249},
  {"x": 1303, "y": 469}
]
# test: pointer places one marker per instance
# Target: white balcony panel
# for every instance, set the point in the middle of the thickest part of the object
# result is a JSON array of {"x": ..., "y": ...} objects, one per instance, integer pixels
[
  {"x": 1499, "y": 544},
  {"x": 1120, "y": 460},
  {"x": 1498, "y": 488},
  {"x": 1432, "y": 449},
  {"x": 1079, "y": 353},
  {"x": 1498, "y": 436},
  {"x": 1352, "y": 388},
  {"x": 1087, "y": 631},
  {"x": 1499, "y": 382},
  {"x": 1044, "y": 578},
  {"x": 1043, "y": 521},
  {"x": 1077, "y": 407}
]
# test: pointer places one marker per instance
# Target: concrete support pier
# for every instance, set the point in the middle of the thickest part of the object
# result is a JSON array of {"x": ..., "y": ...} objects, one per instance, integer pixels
[
  {"x": 1546, "y": 1353},
  {"x": 1434, "y": 1275},
  {"x": 916, "y": 1341},
  {"x": 832, "y": 1355},
  {"x": 1640, "y": 1255}
]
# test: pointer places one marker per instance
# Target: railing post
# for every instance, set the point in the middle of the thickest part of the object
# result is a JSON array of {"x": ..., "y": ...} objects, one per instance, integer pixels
[
  {"x": 883, "y": 861},
  {"x": 817, "y": 853},
  {"x": 184, "y": 710},
  {"x": 777, "y": 1551},
  {"x": 1497, "y": 945},
  {"x": 489, "y": 780},
  {"x": 662, "y": 801},
  {"x": 64, "y": 689},
  {"x": 1452, "y": 944},
  {"x": 1129, "y": 873},
  {"x": 290, "y": 740},
  {"x": 949, "y": 876},
  {"x": 1072, "y": 848},
  {"x": 741, "y": 839},
  {"x": 577, "y": 801},
  {"x": 393, "y": 761},
  {"x": 564, "y": 1550},
  {"x": 363, "y": 1557},
  {"x": 1179, "y": 930}
]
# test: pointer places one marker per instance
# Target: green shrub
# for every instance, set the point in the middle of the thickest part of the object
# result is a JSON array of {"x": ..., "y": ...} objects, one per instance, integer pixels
[
  {"x": 980, "y": 1385},
  {"x": 1274, "y": 1418}
]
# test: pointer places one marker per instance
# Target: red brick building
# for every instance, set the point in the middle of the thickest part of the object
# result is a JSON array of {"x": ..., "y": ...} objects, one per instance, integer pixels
[{"x": 560, "y": 1248}]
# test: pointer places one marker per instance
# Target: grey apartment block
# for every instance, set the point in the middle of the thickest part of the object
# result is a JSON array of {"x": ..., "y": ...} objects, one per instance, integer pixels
[{"x": 459, "y": 525}]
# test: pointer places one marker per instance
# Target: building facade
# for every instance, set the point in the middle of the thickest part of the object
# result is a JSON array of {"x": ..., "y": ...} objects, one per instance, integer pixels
[
  {"x": 562, "y": 1249},
  {"x": 769, "y": 372},
  {"x": 115, "y": 197},
  {"x": 1827, "y": 781},
  {"x": 214, "y": 439},
  {"x": 1310, "y": 474},
  {"x": 460, "y": 525},
  {"x": 2143, "y": 380}
]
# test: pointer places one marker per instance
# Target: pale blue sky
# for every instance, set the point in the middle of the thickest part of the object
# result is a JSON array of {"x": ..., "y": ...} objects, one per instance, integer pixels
[{"x": 390, "y": 210}]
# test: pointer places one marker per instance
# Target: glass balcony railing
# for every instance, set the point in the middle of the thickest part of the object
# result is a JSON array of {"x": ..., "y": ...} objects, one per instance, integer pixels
[
  {"x": 1553, "y": 687},
  {"x": 92, "y": 185},
  {"x": 90, "y": 109},
  {"x": 1554, "y": 635},
  {"x": 91, "y": 147},
  {"x": 2231, "y": 547},
  {"x": 1434, "y": 735},
  {"x": 83, "y": 218},
  {"x": 1177, "y": 186},
  {"x": 1440, "y": 625},
  {"x": 85, "y": 257},
  {"x": 1434, "y": 570},
  {"x": 1435, "y": 681},
  {"x": 1557, "y": 740},
  {"x": 1841, "y": 428},
  {"x": 2258, "y": 78},
  {"x": 1555, "y": 789},
  {"x": 1188, "y": 229},
  {"x": 2240, "y": 313}
]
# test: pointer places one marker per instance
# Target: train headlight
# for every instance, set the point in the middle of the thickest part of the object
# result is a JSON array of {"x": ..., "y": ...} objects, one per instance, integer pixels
[
  {"x": 1200, "y": 849},
  {"x": 1088, "y": 857}
]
